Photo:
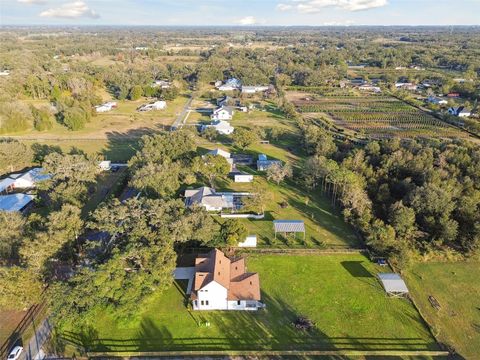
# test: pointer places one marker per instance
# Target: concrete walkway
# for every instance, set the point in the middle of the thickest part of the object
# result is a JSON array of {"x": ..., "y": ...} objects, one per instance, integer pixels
[
  {"x": 185, "y": 273},
  {"x": 33, "y": 350}
]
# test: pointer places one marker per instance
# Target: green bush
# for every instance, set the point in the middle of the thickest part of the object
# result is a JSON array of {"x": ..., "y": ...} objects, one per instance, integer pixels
[
  {"x": 42, "y": 118},
  {"x": 74, "y": 118},
  {"x": 14, "y": 116}
]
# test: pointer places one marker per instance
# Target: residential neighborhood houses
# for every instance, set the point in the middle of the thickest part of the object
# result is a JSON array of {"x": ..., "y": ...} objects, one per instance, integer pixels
[{"x": 224, "y": 284}]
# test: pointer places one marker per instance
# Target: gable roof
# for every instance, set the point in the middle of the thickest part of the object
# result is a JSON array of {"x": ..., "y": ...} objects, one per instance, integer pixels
[
  {"x": 34, "y": 175},
  {"x": 15, "y": 202},
  {"x": 232, "y": 275}
]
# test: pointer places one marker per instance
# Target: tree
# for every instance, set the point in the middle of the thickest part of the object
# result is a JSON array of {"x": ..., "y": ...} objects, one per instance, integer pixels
[
  {"x": 160, "y": 180},
  {"x": 20, "y": 288},
  {"x": 402, "y": 219},
  {"x": 259, "y": 198},
  {"x": 42, "y": 118},
  {"x": 164, "y": 147},
  {"x": 14, "y": 155},
  {"x": 210, "y": 134},
  {"x": 277, "y": 172},
  {"x": 243, "y": 138},
  {"x": 62, "y": 229},
  {"x": 11, "y": 235},
  {"x": 74, "y": 118},
  {"x": 136, "y": 93},
  {"x": 211, "y": 167},
  {"x": 381, "y": 237},
  {"x": 232, "y": 231}
]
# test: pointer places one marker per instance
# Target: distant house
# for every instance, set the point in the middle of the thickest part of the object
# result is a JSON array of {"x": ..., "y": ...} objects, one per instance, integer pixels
[
  {"x": 436, "y": 100},
  {"x": 157, "y": 105},
  {"x": 222, "y": 153},
  {"x": 406, "y": 86},
  {"x": 230, "y": 85},
  {"x": 356, "y": 66},
  {"x": 163, "y": 84},
  {"x": 214, "y": 201},
  {"x": 254, "y": 89},
  {"x": 108, "y": 106},
  {"x": 105, "y": 165},
  {"x": 15, "y": 202},
  {"x": 263, "y": 163},
  {"x": 459, "y": 111},
  {"x": 222, "y": 127},
  {"x": 141, "y": 48},
  {"x": 453, "y": 95},
  {"x": 224, "y": 284},
  {"x": 242, "y": 178},
  {"x": 222, "y": 113},
  {"x": 4, "y": 72},
  {"x": 369, "y": 87},
  {"x": 357, "y": 81}
]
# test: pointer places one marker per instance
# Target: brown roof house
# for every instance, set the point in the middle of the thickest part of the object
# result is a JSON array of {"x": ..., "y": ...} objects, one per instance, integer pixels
[{"x": 224, "y": 284}]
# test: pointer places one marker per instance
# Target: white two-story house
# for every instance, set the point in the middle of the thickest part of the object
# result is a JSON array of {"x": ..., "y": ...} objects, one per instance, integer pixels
[{"x": 224, "y": 284}]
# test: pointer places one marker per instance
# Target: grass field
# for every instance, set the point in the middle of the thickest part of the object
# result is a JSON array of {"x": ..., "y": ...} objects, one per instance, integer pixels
[
  {"x": 338, "y": 292},
  {"x": 456, "y": 287}
]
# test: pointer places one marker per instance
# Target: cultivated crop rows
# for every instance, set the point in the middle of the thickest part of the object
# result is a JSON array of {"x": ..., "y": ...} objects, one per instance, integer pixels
[{"x": 379, "y": 117}]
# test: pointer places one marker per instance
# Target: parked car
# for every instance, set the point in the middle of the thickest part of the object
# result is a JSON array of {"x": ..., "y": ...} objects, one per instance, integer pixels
[
  {"x": 15, "y": 353},
  {"x": 114, "y": 168}
]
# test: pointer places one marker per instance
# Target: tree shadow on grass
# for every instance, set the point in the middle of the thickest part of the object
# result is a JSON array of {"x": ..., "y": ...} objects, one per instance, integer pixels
[
  {"x": 356, "y": 269},
  {"x": 267, "y": 329}
]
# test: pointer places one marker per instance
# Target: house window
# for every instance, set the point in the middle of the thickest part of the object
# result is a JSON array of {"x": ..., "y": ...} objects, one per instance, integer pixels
[
  {"x": 206, "y": 302},
  {"x": 202, "y": 302},
  {"x": 238, "y": 302},
  {"x": 219, "y": 273},
  {"x": 196, "y": 302},
  {"x": 236, "y": 268}
]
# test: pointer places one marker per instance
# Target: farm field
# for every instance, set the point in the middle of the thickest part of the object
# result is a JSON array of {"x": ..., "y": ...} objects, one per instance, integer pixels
[
  {"x": 456, "y": 287},
  {"x": 374, "y": 116},
  {"x": 338, "y": 292}
]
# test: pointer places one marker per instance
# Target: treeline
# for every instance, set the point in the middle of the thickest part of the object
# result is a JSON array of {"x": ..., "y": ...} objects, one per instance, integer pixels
[{"x": 404, "y": 197}]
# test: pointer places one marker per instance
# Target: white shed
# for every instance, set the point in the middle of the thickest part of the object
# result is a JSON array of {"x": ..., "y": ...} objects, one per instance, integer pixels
[
  {"x": 393, "y": 284},
  {"x": 105, "y": 165},
  {"x": 250, "y": 241},
  {"x": 243, "y": 178}
]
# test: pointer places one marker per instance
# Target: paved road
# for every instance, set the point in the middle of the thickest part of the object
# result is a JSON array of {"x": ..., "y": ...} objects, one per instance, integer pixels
[
  {"x": 178, "y": 121},
  {"x": 34, "y": 349}
]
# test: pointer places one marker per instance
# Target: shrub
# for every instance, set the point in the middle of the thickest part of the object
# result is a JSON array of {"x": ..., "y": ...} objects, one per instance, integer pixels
[
  {"x": 74, "y": 118},
  {"x": 42, "y": 118},
  {"x": 14, "y": 116}
]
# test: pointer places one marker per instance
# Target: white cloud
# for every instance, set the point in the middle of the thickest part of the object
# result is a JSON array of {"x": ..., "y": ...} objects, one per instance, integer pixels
[
  {"x": 314, "y": 6},
  {"x": 71, "y": 10},
  {"x": 36, "y": 2},
  {"x": 247, "y": 20}
]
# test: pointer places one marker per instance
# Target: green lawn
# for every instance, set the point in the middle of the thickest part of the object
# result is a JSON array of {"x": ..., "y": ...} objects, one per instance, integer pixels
[
  {"x": 338, "y": 292},
  {"x": 456, "y": 286}
]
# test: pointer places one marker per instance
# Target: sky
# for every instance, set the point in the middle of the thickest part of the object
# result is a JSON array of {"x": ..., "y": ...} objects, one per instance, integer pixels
[{"x": 240, "y": 12}]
